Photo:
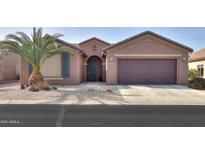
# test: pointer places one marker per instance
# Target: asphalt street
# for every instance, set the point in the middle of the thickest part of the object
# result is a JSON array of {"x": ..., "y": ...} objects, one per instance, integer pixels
[{"x": 101, "y": 116}]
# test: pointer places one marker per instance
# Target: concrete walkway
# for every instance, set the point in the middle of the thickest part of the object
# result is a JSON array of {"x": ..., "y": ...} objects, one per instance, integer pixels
[{"x": 100, "y": 93}]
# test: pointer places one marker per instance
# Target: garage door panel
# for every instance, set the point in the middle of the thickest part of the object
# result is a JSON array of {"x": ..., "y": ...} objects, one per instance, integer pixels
[{"x": 147, "y": 71}]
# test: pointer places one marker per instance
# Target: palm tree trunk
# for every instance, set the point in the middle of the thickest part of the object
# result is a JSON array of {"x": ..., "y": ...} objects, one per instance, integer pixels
[{"x": 36, "y": 80}]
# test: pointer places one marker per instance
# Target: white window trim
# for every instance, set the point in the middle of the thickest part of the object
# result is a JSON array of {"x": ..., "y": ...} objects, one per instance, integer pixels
[{"x": 202, "y": 66}]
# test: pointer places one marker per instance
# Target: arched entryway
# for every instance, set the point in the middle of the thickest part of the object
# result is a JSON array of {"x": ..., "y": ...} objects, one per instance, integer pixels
[{"x": 94, "y": 69}]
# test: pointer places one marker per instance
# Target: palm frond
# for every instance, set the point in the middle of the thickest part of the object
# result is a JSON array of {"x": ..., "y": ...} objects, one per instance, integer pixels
[
  {"x": 24, "y": 36},
  {"x": 15, "y": 38},
  {"x": 35, "y": 49}
]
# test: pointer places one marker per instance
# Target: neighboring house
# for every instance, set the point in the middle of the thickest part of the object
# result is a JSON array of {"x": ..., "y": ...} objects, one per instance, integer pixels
[
  {"x": 197, "y": 61},
  {"x": 147, "y": 58},
  {"x": 9, "y": 65}
]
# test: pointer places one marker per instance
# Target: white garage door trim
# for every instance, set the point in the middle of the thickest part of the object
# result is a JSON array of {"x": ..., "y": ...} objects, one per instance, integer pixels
[{"x": 148, "y": 55}]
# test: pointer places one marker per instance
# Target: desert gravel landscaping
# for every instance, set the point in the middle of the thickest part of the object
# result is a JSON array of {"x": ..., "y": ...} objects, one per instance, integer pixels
[{"x": 99, "y": 93}]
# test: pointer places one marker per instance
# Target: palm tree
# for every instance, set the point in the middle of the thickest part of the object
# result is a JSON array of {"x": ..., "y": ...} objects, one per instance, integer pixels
[{"x": 35, "y": 50}]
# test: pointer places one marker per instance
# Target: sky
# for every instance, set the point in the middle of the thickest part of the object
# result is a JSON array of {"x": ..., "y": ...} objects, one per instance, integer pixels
[{"x": 192, "y": 37}]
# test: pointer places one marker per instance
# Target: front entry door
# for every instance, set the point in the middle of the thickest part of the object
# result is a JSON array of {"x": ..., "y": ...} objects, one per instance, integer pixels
[{"x": 92, "y": 71}]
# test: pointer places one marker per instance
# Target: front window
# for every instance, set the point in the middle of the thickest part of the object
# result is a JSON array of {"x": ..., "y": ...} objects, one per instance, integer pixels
[
  {"x": 200, "y": 69},
  {"x": 65, "y": 65}
]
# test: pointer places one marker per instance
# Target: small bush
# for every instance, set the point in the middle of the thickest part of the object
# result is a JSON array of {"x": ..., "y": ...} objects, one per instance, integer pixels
[
  {"x": 193, "y": 73},
  {"x": 46, "y": 88},
  {"x": 197, "y": 83},
  {"x": 33, "y": 89},
  {"x": 54, "y": 88}
]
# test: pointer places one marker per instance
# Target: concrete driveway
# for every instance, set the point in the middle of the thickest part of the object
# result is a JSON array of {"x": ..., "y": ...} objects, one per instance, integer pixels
[
  {"x": 162, "y": 95},
  {"x": 99, "y": 93}
]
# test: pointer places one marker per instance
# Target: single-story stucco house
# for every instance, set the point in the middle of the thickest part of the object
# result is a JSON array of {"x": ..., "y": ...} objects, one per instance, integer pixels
[
  {"x": 9, "y": 66},
  {"x": 197, "y": 61},
  {"x": 146, "y": 58}
]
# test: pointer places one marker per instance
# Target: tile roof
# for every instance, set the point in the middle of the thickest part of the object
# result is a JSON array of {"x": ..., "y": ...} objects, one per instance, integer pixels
[
  {"x": 197, "y": 55},
  {"x": 70, "y": 45}
]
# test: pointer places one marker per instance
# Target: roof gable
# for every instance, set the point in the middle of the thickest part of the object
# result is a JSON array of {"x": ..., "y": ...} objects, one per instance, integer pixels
[
  {"x": 153, "y": 34},
  {"x": 93, "y": 38}
]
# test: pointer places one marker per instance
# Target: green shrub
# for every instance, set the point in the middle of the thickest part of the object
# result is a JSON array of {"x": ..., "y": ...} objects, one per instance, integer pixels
[
  {"x": 197, "y": 83},
  {"x": 1, "y": 77},
  {"x": 193, "y": 73}
]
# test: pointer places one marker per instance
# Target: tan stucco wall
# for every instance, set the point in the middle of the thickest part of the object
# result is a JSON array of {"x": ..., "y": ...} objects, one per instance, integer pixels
[
  {"x": 148, "y": 45},
  {"x": 88, "y": 50},
  {"x": 193, "y": 65},
  {"x": 9, "y": 65},
  {"x": 74, "y": 71},
  {"x": 81, "y": 67},
  {"x": 52, "y": 67},
  {"x": 24, "y": 72}
]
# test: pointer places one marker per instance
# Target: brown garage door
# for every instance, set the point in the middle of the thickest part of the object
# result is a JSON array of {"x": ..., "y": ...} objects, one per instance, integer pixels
[{"x": 147, "y": 71}]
